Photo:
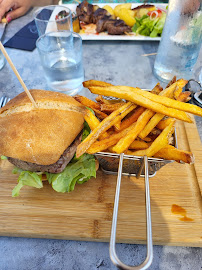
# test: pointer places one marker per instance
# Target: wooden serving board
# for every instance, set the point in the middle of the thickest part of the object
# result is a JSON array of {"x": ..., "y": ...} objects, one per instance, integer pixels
[{"x": 86, "y": 213}]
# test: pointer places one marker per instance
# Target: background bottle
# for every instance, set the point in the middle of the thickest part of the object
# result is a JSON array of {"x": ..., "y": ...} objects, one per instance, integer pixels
[{"x": 181, "y": 40}]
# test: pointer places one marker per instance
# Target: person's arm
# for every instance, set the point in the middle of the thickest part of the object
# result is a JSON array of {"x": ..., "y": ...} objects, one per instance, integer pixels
[{"x": 20, "y": 7}]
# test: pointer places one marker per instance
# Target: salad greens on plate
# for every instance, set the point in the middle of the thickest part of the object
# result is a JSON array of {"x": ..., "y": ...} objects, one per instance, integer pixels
[{"x": 150, "y": 24}]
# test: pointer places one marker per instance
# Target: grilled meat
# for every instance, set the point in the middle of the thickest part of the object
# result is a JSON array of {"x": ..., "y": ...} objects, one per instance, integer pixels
[
  {"x": 85, "y": 12},
  {"x": 143, "y": 6},
  {"x": 88, "y": 13},
  {"x": 113, "y": 27},
  {"x": 99, "y": 14},
  {"x": 118, "y": 28},
  {"x": 103, "y": 23}
]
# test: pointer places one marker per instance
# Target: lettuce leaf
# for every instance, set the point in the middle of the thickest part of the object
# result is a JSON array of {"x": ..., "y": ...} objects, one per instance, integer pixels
[
  {"x": 147, "y": 27},
  {"x": 86, "y": 131},
  {"x": 158, "y": 28},
  {"x": 26, "y": 178},
  {"x": 78, "y": 171}
]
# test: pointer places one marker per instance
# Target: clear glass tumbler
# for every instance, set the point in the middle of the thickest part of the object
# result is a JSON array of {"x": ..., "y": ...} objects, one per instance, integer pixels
[
  {"x": 61, "y": 57},
  {"x": 53, "y": 18},
  {"x": 181, "y": 40}
]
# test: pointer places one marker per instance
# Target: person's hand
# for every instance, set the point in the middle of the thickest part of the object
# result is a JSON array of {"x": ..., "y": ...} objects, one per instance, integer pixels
[{"x": 17, "y": 7}]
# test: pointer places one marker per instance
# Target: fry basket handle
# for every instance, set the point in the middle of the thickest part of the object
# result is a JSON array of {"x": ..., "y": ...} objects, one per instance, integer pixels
[{"x": 112, "y": 251}]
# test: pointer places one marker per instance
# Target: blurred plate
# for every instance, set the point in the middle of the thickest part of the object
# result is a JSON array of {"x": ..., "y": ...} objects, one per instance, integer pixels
[{"x": 105, "y": 36}]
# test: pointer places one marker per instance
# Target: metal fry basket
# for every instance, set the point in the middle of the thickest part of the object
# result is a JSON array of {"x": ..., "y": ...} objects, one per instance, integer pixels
[{"x": 137, "y": 166}]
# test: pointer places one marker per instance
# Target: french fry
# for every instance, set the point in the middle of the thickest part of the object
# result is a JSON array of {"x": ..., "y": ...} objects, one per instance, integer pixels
[
  {"x": 117, "y": 126},
  {"x": 99, "y": 114},
  {"x": 131, "y": 119},
  {"x": 101, "y": 145},
  {"x": 163, "y": 124},
  {"x": 109, "y": 108},
  {"x": 87, "y": 102},
  {"x": 171, "y": 82},
  {"x": 102, "y": 115},
  {"x": 151, "y": 124},
  {"x": 91, "y": 104},
  {"x": 177, "y": 92},
  {"x": 184, "y": 96},
  {"x": 108, "y": 122},
  {"x": 163, "y": 100},
  {"x": 160, "y": 142},
  {"x": 172, "y": 85},
  {"x": 142, "y": 101},
  {"x": 143, "y": 131},
  {"x": 147, "y": 139},
  {"x": 171, "y": 153},
  {"x": 168, "y": 102},
  {"x": 158, "y": 117},
  {"x": 89, "y": 83},
  {"x": 93, "y": 122},
  {"x": 102, "y": 100},
  {"x": 138, "y": 145},
  {"x": 157, "y": 89},
  {"x": 125, "y": 142}
]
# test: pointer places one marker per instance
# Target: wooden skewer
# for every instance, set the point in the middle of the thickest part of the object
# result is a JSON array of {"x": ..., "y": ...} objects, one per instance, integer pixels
[
  {"x": 17, "y": 74},
  {"x": 148, "y": 54}
]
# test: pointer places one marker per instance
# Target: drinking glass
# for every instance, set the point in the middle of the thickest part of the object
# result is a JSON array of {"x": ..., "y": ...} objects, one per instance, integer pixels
[
  {"x": 61, "y": 57},
  {"x": 181, "y": 40},
  {"x": 53, "y": 18}
]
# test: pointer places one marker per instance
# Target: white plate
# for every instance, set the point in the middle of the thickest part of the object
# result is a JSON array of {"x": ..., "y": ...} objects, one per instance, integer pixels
[{"x": 105, "y": 36}]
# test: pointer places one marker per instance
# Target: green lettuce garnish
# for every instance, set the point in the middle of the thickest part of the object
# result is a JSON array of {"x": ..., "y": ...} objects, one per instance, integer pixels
[
  {"x": 3, "y": 157},
  {"x": 158, "y": 27},
  {"x": 26, "y": 178},
  {"x": 78, "y": 171},
  {"x": 147, "y": 27},
  {"x": 86, "y": 131}
]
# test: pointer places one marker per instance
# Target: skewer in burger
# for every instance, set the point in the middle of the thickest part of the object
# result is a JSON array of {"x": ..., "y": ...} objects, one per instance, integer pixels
[{"x": 43, "y": 140}]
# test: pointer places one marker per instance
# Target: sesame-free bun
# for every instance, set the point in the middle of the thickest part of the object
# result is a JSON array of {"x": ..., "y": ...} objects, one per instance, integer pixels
[{"x": 39, "y": 135}]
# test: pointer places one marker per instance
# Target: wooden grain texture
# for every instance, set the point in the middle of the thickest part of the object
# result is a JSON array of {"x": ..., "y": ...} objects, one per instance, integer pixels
[{"x": 86, "y": 213}]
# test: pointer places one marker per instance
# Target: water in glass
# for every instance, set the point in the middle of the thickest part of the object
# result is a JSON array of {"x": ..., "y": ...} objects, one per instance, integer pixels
[{"x": 64, "y": 73}]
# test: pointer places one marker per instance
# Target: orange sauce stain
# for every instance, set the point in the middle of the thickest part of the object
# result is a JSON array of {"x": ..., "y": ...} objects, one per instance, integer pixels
[
  {"x": 185, "y": 218},
  {"x": 178, "y": 210}
]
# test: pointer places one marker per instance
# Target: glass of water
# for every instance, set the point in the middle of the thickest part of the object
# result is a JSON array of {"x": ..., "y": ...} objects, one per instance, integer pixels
[
  {"x": 53, "y": 18},
  {"x": 61, "y": 57}
]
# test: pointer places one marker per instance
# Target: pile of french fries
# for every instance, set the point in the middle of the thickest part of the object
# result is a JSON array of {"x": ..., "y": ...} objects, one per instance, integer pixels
[{"x": 138, "y": 122}]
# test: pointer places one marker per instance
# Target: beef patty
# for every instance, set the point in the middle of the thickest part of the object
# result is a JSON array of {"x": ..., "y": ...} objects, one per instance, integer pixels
[{"x": 56, "y": 167}]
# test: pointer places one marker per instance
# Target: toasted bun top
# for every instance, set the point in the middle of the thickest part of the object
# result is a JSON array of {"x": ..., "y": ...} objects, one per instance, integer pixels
[{"x": 39, "y": 135}]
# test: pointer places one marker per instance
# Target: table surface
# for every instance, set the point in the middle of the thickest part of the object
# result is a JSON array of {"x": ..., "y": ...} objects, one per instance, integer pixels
[{"x": 118, "y": 62}]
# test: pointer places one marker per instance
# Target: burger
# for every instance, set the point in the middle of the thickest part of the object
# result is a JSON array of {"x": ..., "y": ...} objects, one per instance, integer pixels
[{"x": 42, "y": 141}]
